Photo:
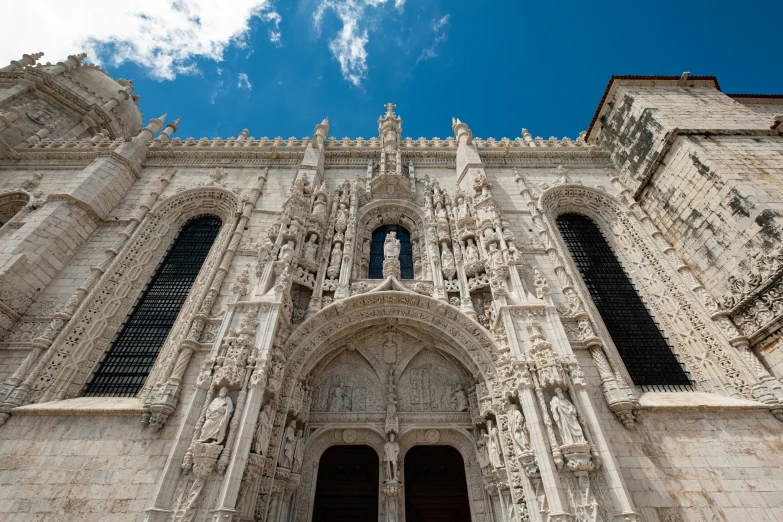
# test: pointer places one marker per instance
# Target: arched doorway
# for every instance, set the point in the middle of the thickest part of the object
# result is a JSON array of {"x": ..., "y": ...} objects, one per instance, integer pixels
[
  {"x": 347, "y": 486},
  {"x": 435, "y": 486}
]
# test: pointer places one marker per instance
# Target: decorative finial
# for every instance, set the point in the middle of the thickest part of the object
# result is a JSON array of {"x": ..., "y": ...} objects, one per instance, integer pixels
[{"x": 390, "y": 109}]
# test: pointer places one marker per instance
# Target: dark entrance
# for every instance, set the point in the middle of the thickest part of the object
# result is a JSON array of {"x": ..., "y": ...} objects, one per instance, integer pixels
[
  {"x": 347, "y": 485},
  {"x": 435, "y": 487}
]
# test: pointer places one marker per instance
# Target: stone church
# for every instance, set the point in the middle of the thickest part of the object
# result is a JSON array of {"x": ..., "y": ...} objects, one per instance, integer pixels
[{"x": 390, "y": 329}]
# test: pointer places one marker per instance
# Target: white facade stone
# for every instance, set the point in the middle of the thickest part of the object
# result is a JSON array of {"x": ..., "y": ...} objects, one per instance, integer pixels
[{"x": 681, "y": 179}]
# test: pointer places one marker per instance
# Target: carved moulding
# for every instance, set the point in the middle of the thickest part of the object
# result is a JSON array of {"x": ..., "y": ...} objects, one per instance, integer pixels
[
  {"x": 715, "y": 364},
  {"x": 69, "y": 361}
]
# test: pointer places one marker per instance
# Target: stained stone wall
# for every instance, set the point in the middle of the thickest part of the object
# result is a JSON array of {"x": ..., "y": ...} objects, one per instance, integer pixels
[{"x": 683, "y": 180}]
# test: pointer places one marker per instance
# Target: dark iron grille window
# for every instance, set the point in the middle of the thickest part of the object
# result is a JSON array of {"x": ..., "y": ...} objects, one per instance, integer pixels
[
  {"x": 376, "y": 252},
  {"x": 646, "y": 354},
  {"x": 129, "y": 360}
]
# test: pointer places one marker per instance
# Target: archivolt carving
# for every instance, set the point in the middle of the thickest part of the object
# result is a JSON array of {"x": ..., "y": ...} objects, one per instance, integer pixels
[
  {"x": 418, "y": 311},
  {"x": 319, "y": 442},
  {"x": 463, "y": 442},
  {"x": 11, "y": 204},
  {"x": 389, "y": 212},
  {"x": 695, "y": 338},
  {"x": 77, "y": 349}
]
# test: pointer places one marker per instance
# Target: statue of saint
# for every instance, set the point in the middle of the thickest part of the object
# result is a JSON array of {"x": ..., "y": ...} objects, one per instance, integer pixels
[
  {"x": 459, "y": 399},
  {"x": 217, "y": 418},
  {"x": 261, "y": 438},
  {"x": 336, "y": 400},
  {"x": 391, "y": 455},
  {"x": 311, "y": 247},
  {"x": 564, "y": 415},
  {"x": 287, "y": 252},
  {"x": 299, "y": 451},
  {"x": 519, "y": 429},
  {"x": 342, "y": 218},
  {"x": 337, "y": 256},
  {"x": 289, "y": 446},
  {"x": 471, "y": 252},
  {"x": 495, "y": 452},
  {"x": 440, "y": 211},
  {"x": 482, "y": 452},
  {"x": 391, "y": 246},
  {"x": 319, "y": 206},
  {"x": 495, "y": 256},
  {"x": 447, "y": 258},
  {"x": 462, "y": 208},
  {"x": 265, "y": 251}
]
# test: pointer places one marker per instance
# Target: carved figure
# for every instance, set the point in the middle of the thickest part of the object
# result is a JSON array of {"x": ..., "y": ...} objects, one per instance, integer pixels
[
  {"x": 495, "y": 453},
  {"x": 459, "y": 400},
  {"x": 319, "y": 206},
  {"x": 447, "y": 260},
  {"x": 299, "y": 451},
  {"x": 261, "y": 437},
  {"x": 366, "y": 247},
  {"x": 311, "y": 247},
  {"x": 265, "y": 251},
  {"x": 337, "y": 256},
  {"x": 440, "y": 211},
  {"x": 482, "y": 451},
  {"x": 287, "y": 252},
  {"x": 336, "y": 400},
  {"x": 471, "y": 252},
  {"x": 564, "y": 415},
  {"x": 342, "y": 218},
  {"x": 391, "y": 246},
  {"x": 391, "y": 455},
  {"x": 217, "y": 416},
  {"x": 495, "y": 256},
  {"x": 289, "y": 446},
  {"x": 462, "y": 208},
  {"x": 519, "y": 429}
]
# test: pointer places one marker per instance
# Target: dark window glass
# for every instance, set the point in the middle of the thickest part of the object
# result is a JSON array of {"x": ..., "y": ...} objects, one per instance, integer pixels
[
  {"x": 129, "y": 360},
  {"x": 376, "y": 252},
  {"x": 646, "y": 354}
]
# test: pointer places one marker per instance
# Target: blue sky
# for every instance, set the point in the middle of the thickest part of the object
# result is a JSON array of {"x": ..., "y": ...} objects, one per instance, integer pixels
[{"x": 274, "y": 67}]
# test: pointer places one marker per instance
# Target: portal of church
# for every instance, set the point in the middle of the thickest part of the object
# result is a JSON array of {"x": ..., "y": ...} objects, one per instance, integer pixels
[
  {"x": 347, "y": 485},
  {"x": 435, "y": 486}
]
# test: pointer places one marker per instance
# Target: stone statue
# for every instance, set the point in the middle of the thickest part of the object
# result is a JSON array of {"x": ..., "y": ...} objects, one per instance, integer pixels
[
  {"x": 342, "y": 218},
  {"x": 289, "y": 446},
  {"x": 287, "y": 252},
  {"x": 391, "y": 247},
  {"x": 319, "y": 206},
  {"x": 217, "y": 418},
  {"x": 440, "y": 211},
  {"x": 336, "y": 400},
  {"x": 265, "y": 251},
  {"x": 459, "y": 399},
  {"x": 471, "y": 252},
  {"x": 495, "y": 452},
  {"x": 519, "y": 429},
  {"x": 311, "y": 247},
  {"x": 462, "y": 208},
  {"x": 337, "y": 256},
  {"x": 564, "y": 415},
  {"x": 447, "y": 258},
  {"x": 495, "y": 256},
  {"x": 261, "y": 438},
  {"x": 366, "y": 247},
  {"x": 299, "y": 451},
  {"x": 482, "y": 451},
  {"x": 391, "y": 455}
]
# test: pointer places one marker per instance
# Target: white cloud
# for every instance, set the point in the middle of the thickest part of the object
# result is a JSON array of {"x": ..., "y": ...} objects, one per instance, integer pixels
[
  {"x": 349, "y": 46},
  {"x": 163, "y": 36},
  {"x": 244, "y": 82},
  {"x": 439, "y": 26}
]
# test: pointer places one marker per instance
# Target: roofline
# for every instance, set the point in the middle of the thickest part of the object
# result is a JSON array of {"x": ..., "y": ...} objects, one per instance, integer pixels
[
  {"x": 640, "y": 78},
  {"x": 762, "y": 96}
]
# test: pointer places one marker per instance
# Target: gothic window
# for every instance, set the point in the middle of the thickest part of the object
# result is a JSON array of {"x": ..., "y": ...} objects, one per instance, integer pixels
[
  {"x": 130, "y": 358},
  {"x": 376, "y": 252},
  {"x": 639, "y": 340}
]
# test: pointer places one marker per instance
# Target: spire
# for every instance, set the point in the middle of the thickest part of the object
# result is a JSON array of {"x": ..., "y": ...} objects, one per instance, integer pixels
[
  {"x": 390, "y": 127},
  {"x": 461, "y": 130},
  {"x": 321, "y": 132},
  {"x": 27, "y": 60}
]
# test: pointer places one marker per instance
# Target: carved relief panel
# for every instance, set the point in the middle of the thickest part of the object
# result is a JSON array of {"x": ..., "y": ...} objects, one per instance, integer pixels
[
  {"x": 348, "y": 384},
  {"x": 431, "y": 383}
]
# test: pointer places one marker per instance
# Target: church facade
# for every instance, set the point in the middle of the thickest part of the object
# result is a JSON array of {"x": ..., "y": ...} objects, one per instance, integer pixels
[{"x": 392, "y": 329}]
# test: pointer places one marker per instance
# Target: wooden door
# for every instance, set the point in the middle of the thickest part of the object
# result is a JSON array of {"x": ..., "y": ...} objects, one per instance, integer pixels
[
  {"x": 347, "y": 486},
  {"x": 435, "y": 485}
]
